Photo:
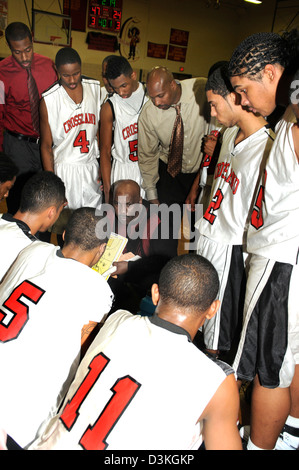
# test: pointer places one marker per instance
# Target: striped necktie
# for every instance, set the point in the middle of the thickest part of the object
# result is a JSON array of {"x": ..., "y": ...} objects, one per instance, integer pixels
[
  {"x": 34, "y": 100},
  {"x": 176, "y": 145}
]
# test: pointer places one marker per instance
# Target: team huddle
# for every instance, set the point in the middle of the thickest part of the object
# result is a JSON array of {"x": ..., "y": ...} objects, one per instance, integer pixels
[{"x": 141, "y": 380}]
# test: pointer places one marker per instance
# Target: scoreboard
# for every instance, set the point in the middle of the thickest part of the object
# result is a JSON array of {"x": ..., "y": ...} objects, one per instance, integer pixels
[{"x": 105, "y": 15}]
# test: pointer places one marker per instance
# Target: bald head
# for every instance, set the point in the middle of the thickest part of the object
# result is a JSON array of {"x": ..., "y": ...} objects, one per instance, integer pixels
[
  {"x": 126, "y": 194},
  {"x": 163, "y": 90},
  {"x": 126, "y": 187},
  {"x": 159, "y": 74}
]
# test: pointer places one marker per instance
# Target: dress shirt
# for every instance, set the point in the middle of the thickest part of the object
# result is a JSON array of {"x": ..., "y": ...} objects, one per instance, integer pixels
[
  {"x": 15, "y": 114},
  {"x": 155, "y": 128}
]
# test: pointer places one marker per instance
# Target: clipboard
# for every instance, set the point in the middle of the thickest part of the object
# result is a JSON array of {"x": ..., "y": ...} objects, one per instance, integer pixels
[{"x": 113, "y": 251}]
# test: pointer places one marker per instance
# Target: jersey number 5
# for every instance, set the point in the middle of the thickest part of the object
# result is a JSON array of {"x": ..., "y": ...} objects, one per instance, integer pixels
[
  {"x": 124, "y": 390},
  {"x": 20, "y": 312},
  {"x": 133, "y": 146}
]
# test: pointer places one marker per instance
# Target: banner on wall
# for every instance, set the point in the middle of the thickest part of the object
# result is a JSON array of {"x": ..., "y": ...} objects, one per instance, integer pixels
[
  {"x": 178, "y": 43},
  {"x": 102, "y": 42},
  {"x": 177, "y": 54},
  {"x": 158, "y": 51},
  {"x": 179, "y": 37}
]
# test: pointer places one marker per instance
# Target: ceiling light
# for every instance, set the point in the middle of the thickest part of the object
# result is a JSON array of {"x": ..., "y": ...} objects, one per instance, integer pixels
[{"x": 253, "y": 1}]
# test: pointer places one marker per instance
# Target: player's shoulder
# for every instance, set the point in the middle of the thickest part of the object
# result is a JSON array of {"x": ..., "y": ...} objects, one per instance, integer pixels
[
  {"x": 223, "y": 366},
  {"x": 215, "y": 366},
  {"x": 89, "y": 81},
  {"x": 52, "y": 90}
]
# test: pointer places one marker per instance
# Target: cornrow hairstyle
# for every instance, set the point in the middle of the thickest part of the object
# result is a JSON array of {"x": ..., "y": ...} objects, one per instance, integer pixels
[
  {"x": 116, "y": 66},
  {"x": 218, "y": 82},
  {"x": 256, "y": 51},
  {"x": 67, "y": 55},
  {"x": 189, "y": 281},
  {"x": 8, "y": 170}
]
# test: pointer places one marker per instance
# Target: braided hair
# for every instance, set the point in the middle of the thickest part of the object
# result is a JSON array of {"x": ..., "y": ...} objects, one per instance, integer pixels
[{"x": 260, "y": 49}]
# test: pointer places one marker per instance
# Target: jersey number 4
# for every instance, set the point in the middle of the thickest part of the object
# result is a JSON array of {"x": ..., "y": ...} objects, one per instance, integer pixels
[
  {"x": 10, "y": 328},
  {"x": 124, "y": 390},
  {"x": 82, "y": 142}
]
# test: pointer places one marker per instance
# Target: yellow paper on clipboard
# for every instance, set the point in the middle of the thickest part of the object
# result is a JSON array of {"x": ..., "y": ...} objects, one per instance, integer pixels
[{"x": 113, "y": 250}]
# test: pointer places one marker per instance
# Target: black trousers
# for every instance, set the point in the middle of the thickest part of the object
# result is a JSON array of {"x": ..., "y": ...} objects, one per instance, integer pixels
[
  {"x": 26, "y": 155},
  {"x": 173, "y": 190}
]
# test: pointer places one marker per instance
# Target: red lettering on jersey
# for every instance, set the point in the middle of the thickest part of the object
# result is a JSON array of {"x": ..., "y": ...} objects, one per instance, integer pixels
[
  {"x": 130, "y": 130},
  {"x": 257, "y": 219},
  {"x": 222, "y": 170},
  {"x": 123, "y": 392},
  {"x": 19, "y": 309},
  {"x": 87, "y": 118}
]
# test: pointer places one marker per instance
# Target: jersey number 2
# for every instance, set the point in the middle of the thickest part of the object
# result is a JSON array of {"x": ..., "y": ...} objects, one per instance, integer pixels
[
  {"x": 214, "y": 206},
  {"x": 124, "y": 390},
  {"x": 19, "y": 310},
  {"x": 257, "y": 219}
]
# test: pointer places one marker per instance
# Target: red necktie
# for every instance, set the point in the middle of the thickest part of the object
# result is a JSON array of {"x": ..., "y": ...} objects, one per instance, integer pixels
[
  {"x": 176, "y": 145},
  {"x": 34, "y": 100}
]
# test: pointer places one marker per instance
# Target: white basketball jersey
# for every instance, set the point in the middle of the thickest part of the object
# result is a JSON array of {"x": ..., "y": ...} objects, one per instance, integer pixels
[
  {"x": 236, "y": 177},
  {"x": 125, "y": 148},
  {"x": 74, "y": 129},
  {"x": 142, "y": 385},
  {"x": 14, "y": 236},
  {"x": 274, "y": 229},
  {"x": 45, "y": 301}
]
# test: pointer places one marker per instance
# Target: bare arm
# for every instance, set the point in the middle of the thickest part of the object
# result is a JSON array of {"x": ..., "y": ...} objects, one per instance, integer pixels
[
  {"x": 148, "y": 156},
  {"x": 220, "y": 418},
  {"x": 193, "y": 193},
  {"x": 106, "y": 126},
  {"x": 46, "y": 138}
]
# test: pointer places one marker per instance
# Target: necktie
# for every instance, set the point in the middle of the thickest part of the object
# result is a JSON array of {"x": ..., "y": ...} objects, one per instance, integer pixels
[
  {"x": 176, "y": 145},
  {"x": 34, "y": 100}
]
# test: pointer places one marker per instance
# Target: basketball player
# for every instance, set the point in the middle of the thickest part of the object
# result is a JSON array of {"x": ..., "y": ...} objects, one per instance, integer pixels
[
  {"x": 42, "y": 200},
  {"x": 261, "y": 69},
  {"x": 70, "y": 111},
  {"x": 246, "y": 144},
  {"x": 8, "y": 174},
  {"x": 172, "y": 395},
  {"x": 121, "y": 112},
  {"x": 46, "y": 298}
]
